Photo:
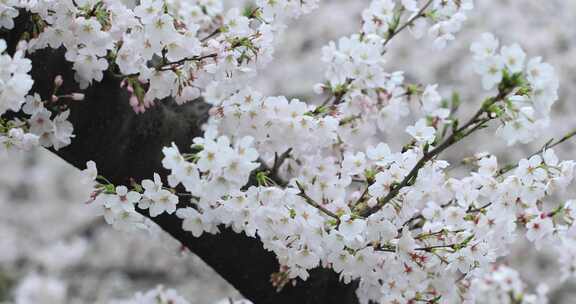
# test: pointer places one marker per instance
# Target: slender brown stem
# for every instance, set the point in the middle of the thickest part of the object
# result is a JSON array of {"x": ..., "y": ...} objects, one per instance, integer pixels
[
  {"x": 214, "y": 33},
  {"x": 426, "y": 249},
  {"x": 421, "y": 13},
  {"x": 549, "y": 145},
  {"x": 475, "y": 123},
  {"x": 314, "y": 204},
  {"x": 168, "y": 66}
]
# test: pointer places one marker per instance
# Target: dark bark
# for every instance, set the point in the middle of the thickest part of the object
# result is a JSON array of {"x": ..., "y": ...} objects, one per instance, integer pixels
[{"x": 125, "y": 145}]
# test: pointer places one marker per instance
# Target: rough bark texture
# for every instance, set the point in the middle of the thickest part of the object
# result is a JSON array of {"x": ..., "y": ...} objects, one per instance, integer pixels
[{"x": 126, "y": 145}]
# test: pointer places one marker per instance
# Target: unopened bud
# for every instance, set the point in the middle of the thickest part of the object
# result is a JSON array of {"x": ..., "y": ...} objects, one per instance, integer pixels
[
  {"x": 134, "y": 101},
  {"x": 319, "y": 88},
  {"x": 58, "y": 81}
]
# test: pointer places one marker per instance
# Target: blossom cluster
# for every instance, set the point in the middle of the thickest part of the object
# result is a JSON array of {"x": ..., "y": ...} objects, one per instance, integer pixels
[
  {"x": 161, "y": 49},
  {"x": 527, "y": 112},
  {"x": 47, "y": 123},
  {"x": 441, "y": 19},
  {"x": 119, "y": 204},
  {"x": 503, "y": 285},
  {"x": 248, "y": 113},
  {"x": 356, "y": 63},
  {"x": 218, "y": 166},
  {"x": 16, "y": 82},
  {"x": 359, "y": 85}
]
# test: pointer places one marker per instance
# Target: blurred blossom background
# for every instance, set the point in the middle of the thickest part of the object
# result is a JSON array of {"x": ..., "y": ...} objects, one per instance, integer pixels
[{"x": 52, "y": 250}]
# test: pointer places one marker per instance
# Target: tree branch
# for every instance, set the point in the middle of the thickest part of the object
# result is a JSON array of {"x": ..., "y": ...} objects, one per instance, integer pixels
[{"x": 472, "y": 125}]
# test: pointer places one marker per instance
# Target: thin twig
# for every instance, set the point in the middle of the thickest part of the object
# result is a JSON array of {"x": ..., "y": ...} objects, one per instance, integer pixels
[
  {"x": 408, "y": 23},
  {"x": 168, "y": 66},
  {"x": 549, "y": 145},
  {"x": 475, "y": 123},
  {"x": 216, "y": 32},
  {"x": 413, "y": 174},
  {"x": 314, "y": 204}
]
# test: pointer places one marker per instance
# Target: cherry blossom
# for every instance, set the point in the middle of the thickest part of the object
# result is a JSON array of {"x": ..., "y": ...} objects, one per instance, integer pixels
[{"x": 422, "y": 132}]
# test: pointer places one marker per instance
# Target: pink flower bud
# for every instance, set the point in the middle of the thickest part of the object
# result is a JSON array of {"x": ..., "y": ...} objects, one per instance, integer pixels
[
  {"x": 134, "y": 102},
  {"x": 58, "y": 81},
  {"x": 319, "y": 88}
]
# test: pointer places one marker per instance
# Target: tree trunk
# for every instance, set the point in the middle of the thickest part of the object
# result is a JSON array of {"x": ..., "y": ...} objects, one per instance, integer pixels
[{"x": 126, "y": 145}]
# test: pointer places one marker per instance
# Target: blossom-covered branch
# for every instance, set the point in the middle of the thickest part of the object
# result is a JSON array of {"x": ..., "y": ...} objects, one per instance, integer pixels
[
  {"x": 318, "y": 190},
  {"x": 473, "y": 124}
]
